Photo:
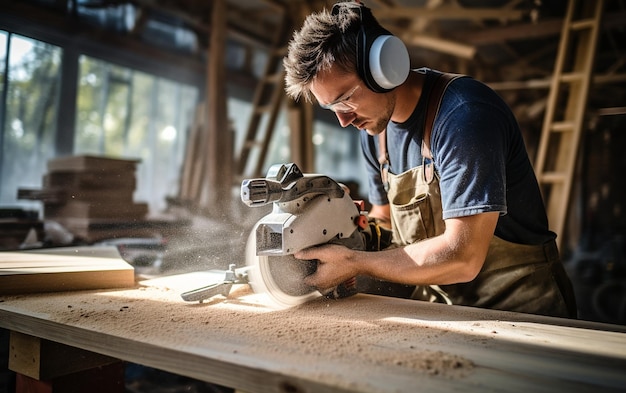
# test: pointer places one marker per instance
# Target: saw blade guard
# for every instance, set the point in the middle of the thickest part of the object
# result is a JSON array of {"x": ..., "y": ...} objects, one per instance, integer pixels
[{"x": 279, "y": 278}]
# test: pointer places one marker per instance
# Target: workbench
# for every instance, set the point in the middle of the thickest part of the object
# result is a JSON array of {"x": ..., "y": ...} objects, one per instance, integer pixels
[{"x": 364, "y": 343}]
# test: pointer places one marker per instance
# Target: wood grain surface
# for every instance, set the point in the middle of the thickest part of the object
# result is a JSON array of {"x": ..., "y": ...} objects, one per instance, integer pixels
[
  {"x": 63, "y": 269},
  {"x": 360, "y": 344}
]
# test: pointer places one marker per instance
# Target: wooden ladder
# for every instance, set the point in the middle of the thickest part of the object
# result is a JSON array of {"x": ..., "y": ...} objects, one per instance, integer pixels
[
  {"x": 565, "y": 110},
  {"x": 266, "y": 105}
]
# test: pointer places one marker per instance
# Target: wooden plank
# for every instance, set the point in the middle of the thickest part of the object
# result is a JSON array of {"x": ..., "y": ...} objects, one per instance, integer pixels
[
  {"x": 88, "y": 162},
  {"x": 71, "y": 181},
  {"x": 65, "y": 269},
  {"x": 59, "y": 195},
  {"x": 96, "y": 209},
  {"x": 360, "y": 344}
]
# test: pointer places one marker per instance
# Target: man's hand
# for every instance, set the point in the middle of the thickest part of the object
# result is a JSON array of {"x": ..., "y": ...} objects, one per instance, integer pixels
[
  {"x": 453, "y": 257},
  {"x": 336, "y": 264}
]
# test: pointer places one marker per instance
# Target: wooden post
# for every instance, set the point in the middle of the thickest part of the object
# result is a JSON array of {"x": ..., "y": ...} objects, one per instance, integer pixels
[
  {"x": 300, "y": 114},
  {"x": 216, "y": 194},
  {"x": 300, "y": 120}
]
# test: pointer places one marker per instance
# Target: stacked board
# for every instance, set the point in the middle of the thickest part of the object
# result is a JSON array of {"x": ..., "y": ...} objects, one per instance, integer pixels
[
  {"x": 63, "y": 269},
  {"x": 91, "y": 196}
]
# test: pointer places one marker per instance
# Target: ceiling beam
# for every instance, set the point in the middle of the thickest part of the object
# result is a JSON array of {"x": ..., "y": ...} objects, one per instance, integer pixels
[
  {"x": 450, "y": 12},
  {"x": 545, "y": 83},
  {"x": 526, "y": 31},
  {"x": 439, "y": 44}
]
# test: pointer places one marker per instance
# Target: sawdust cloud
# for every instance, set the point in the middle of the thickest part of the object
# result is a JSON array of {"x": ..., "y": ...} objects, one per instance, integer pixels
[{"x": 205, "y": 243}]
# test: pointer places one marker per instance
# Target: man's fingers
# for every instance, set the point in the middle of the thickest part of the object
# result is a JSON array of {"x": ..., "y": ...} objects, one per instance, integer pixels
[
  {"x": 303, "y": 254},
  {"x": 308, "y": 253}
]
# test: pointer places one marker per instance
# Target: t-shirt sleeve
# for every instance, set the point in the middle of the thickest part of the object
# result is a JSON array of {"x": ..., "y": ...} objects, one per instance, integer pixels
[{"x": 469, "y": 148}]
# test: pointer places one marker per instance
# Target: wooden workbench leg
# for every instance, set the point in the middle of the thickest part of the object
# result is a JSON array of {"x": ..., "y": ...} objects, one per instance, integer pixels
[
  {"x": 104, "y": 379},
  {"x": 44, "y": 366}
]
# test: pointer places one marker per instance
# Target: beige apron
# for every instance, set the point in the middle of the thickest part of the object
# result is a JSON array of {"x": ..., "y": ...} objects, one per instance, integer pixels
[{"x": 514, "y": 277}]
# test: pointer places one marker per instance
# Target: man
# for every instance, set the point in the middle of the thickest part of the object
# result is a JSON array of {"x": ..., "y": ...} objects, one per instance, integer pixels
[{"x": 475, "y": 233}]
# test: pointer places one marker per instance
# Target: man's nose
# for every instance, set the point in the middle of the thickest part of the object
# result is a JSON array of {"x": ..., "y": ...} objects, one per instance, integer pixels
[{"x": 345, "y": 118}]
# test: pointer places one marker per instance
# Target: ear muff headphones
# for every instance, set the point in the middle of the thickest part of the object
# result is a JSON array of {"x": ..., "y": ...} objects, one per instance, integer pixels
[{"x": 382, "y": 59}]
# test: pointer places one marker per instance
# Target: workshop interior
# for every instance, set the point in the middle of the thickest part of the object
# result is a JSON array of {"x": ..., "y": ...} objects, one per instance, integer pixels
[{"x": 161, "y": 130}]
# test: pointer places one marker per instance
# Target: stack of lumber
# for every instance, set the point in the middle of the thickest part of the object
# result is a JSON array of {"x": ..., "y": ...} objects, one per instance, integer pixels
[{"x": 91, "y": 196}]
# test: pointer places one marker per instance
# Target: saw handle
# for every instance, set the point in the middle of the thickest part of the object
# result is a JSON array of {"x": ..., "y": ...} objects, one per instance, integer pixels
[
  {"x": 260, "y": 192},
  {"x": 201, "y": 294}
]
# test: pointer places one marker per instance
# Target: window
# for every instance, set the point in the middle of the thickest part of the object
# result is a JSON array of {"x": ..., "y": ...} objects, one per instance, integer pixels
[
  {"x": 29, "y": 103},
  {"x": 125, "y": 113},
  {"x": 120, "y": 113},
  {"x": 134, "y": 115}
]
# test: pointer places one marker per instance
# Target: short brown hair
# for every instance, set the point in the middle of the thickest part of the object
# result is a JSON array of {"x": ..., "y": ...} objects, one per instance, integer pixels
[{"x": 324, "y": 39}]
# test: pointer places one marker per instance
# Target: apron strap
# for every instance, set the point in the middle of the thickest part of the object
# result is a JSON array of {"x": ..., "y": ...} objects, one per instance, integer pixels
[
  {"x": 434, "y": 101},
  {"x": 383, "y": 159}
]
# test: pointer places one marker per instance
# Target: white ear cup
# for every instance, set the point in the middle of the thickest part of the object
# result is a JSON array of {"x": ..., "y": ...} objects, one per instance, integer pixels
[{"x": 389, "y": 61}]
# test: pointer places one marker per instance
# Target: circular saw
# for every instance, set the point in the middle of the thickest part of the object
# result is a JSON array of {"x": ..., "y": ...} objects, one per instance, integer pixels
[{"x": 308, "y": 210}]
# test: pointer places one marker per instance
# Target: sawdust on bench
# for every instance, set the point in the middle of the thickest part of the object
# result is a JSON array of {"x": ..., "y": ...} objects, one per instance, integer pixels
[{"x": 243, "y": 325}]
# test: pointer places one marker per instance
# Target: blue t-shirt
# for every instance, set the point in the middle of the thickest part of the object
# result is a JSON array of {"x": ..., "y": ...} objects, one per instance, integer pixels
[{"x": 479, "y": 154}]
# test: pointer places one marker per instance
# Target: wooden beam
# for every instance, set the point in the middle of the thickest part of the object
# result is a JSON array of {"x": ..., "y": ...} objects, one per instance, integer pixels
[
  {"x": 385, "y": 3},
  {"x": 218, "y": 147},
  {"x": 529, "y": 31},
  {"x": 545, "y": 83},
  {"x": 450, "y": 12},
  {"x": 612, "y": 111},
  {"x": 277, "y": 6},
  {"x": 442, "y": 45},
  {"x": 54, "y": 28},
  {"x": 526, "y": 31},
  {"x": 300, "y": 120}
]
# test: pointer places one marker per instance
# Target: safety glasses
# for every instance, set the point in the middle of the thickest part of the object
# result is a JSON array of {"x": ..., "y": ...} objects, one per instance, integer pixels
[{"x": 343, "y": 104}]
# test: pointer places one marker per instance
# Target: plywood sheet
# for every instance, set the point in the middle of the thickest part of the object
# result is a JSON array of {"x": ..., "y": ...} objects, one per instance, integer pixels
[{"x": 63, "y": 269}]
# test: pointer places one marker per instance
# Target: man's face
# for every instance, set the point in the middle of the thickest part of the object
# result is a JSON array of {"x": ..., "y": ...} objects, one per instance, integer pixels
[{"x": 353, "y": 103}]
